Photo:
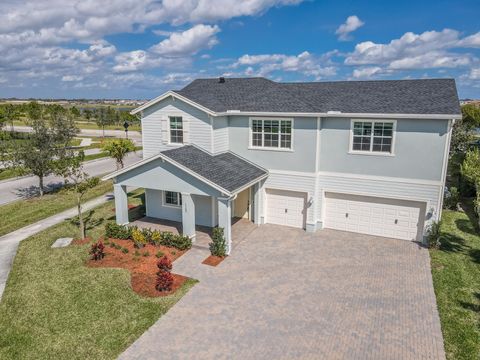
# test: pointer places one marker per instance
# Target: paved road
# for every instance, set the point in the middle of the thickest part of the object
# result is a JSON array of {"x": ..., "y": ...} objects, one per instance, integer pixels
[
  {"x": 287, "y": 294},
  {"x": 9, "y": 242},
  {"x": 136, "y": 136},
  {"x": 20, "y": 188}
]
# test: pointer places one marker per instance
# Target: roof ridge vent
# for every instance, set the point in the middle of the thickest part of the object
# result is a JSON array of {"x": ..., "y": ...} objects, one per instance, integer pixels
[{"x": 221, "y": 79}]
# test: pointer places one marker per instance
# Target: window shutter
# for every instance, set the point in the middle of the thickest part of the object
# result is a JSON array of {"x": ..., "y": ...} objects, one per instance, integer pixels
[
  {"x": 186, "y": 131},
  {"x": 164, "y": 130}
]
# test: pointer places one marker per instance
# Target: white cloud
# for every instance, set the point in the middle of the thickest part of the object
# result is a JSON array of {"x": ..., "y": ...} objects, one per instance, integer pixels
[
  {"x": 68, "y": 78},
  {"x": 304, "y": 63},
  {"x": 366, "y": 72},
  {"x": 351, "y": 24},
  {"x": 431, "y": 49},
  {"x": 188, "y": 42}
]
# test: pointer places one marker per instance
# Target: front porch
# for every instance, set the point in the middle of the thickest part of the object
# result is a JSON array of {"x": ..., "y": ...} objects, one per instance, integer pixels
[{"x": 241, "y": 228}]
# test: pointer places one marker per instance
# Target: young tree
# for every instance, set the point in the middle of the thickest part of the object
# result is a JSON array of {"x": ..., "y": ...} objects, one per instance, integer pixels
[
  {"x": 471, "y": 171},
  {"x": 46, "y": 144},
  {"x": 75, "y": 112},
  {"x": 8, "y": 114},
  {"x": 462, "y": 132},
  {"x": 78, "y": 181},
  {"x": 102, "y": 119},
  {"x": 117, "y": 149}
]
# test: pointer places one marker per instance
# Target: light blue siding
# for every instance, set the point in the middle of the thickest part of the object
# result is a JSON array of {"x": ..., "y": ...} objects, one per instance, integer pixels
[
  {"x": 302, "y": 158},
  {"x": 419, "y": 150}
]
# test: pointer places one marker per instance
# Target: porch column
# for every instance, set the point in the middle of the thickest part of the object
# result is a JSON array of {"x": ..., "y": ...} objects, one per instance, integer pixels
[
  {"x": 225, "y": 220},
  {"x": 188, "y": 215},
  {"x": 121, "y": 203}
]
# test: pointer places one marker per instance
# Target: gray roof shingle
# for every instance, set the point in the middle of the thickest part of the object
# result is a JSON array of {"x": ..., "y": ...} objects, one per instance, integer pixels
[
  {"x": 226, "y": 170},
  {"x": 421, "y": 96}
]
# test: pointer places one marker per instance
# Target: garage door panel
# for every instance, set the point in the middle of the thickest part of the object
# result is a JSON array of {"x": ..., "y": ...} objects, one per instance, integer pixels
[
  {"x": 375, "y": 216},
  {"x": 286, "y": 207}
]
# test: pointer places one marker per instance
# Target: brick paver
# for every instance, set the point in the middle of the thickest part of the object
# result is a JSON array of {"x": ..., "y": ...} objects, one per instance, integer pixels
[{"x": 287, "y": 294}]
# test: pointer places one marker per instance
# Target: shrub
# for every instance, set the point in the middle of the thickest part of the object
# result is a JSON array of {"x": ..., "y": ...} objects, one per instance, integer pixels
[
  {"x": 113, "y": 230},
  {"x": 452, "y": 197},
  {"x": 179, "y": 242},
  {"x": 218, "y": 246},
  {"x": 164, "y": 277},
  {"x": 146, "y": 254},
  {"x": 164, "y": 281},
  {"x": 125, "y": 250},
  {"x": 156, "y": 238},
  {"x": 164, "y": 264},
  {"x": 433, "y": 235},
  {"x": 173, "y": 252},
  {"x": 159, "y": 254},
  {"x": 112, "y": 244},
  {"x": 117, "y": 246},
  {"x": 137, "y": 253},
  {"x": 97, "y": 251},
  {"x": 138, "y": 238},
  {"x": 147, "y": 234}
]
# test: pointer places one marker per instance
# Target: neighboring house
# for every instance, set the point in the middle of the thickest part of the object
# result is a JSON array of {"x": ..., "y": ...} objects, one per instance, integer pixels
[{"x": 360, "y": 156}]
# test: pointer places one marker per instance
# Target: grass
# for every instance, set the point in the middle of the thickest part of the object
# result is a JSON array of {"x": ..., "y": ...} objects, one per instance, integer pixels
[
  {"x": 56, "y": 308},
  {"x": 456, "y": 279},
  {"x": 11, "y": 173},
  {"x": 21, "y": 213},
  {"x": 89, "y": 125}
]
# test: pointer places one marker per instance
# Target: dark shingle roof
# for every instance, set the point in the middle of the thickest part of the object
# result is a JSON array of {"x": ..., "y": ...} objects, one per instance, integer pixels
[
  {"x": 422, "y": 96},
  {"x": 226, "y": 170}
]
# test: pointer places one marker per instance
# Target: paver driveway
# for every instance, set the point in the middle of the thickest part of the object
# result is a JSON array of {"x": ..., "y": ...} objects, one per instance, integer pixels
[{"x": 285, "y": 294}]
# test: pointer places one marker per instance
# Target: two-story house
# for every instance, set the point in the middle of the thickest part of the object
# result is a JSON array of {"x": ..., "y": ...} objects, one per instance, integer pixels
[{"x": 360, "y": 156}]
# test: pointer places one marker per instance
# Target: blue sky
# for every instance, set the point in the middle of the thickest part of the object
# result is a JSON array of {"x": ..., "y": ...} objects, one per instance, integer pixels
[{"x": 140, "y": 48}]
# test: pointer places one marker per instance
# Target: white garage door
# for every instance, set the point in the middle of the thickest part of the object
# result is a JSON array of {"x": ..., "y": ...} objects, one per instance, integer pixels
[
  {"x": 398, "y": 219},
  {"x": 286, "y": 208}
]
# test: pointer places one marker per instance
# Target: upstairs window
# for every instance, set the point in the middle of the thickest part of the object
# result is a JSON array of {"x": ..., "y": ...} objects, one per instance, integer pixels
[
  {"x": 173, "y": 198},
  {"x": 176, "y": 130},
  {"x": 275, "y": 134},
  {"x": 373, "y": 136}
]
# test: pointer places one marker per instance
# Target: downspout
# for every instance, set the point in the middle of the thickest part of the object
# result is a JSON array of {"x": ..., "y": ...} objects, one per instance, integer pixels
[{"x": 445, "y": 167}]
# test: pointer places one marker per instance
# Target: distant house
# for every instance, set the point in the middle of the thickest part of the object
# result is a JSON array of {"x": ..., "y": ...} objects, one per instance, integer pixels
[{"x": 361, "y": 156}]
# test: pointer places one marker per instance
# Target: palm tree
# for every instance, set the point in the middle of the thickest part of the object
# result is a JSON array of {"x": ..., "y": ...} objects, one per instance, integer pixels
[{"x": 117, "y": 149}]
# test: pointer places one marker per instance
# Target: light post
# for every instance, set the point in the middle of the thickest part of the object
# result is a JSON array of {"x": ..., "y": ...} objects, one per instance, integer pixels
[{"x": 126, "y": 125}]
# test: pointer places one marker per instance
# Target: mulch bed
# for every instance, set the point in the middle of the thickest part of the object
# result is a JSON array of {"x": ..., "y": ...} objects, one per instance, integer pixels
[
  {"x": 81, "y": 241},
  {"x": 213, "y": 260},
  {"x": 130, "y": 207},
  {"x": 142, "y": 268}
]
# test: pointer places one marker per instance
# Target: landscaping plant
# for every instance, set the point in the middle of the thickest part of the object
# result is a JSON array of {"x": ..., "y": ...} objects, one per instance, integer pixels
[
  {"x": 471, "y": 171},
  {"x": 115, "y": 231},
  {"x": 433, "y": 235},
  {"x": 156, "y": 237},
  {"x": 97, "y": 251},
  {"x": 452, "y": 197},
  {"x": 164, "y": 277},
  {"x": 138, "y": 238},
  {"x": 177, "y": 241},
  {"x": 118, "y": 149},
  {"x": 218, "y": 246}
]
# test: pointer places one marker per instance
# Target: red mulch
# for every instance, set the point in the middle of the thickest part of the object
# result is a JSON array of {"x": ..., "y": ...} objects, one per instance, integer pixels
[
  {"x": 213, "y": 260},
  {"x": 142, "y": 268},
  {"x": 81, "y": 241},
  {"x": 130, "y": 207}
]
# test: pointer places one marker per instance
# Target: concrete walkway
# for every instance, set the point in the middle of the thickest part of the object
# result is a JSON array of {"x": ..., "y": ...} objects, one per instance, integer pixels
[
  {"x": 85, "y": 142},
  {"x": 287, "y": 294},
  {"x": 9, "y": 242}
]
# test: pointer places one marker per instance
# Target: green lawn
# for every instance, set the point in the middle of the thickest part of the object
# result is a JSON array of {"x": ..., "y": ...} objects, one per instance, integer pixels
[
  {"x": 56, "y": 308},
  {"x": 11, "y": 173},
  {"x": 456, "y": 279},
  {"x": 21, "y": 213}
]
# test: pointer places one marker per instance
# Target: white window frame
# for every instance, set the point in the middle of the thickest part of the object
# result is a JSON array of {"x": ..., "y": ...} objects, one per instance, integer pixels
[
  {"x": 267, "y": 148},
  {"x": 371, "y": 152},
  {"x": 170, "y": 130},
  {"x": 164, "y": 199}
]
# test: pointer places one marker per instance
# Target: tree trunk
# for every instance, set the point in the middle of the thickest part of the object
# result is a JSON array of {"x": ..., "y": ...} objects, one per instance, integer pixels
[
  {"x": 103, "y": 131},
  {"x": 80, "y": 218},
  {"x": 40, "y": 184},
  {"x": 121, "y": 163},
  {"x": 12, "y": 128}
]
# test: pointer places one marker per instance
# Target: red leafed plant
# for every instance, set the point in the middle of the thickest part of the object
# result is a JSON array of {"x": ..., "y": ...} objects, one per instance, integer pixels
[
  {"x": 164, "y": 264},
  {"x": 164, "y": 278},
  {"x": 97, "y": 251},
  {"x": 164, "y": 281}
]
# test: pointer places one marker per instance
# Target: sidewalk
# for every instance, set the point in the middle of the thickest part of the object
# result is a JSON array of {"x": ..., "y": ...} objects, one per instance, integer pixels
[{"x": 9, "y": 242}]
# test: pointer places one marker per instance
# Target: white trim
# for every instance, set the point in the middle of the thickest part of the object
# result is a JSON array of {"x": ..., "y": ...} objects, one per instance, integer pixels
[
  {"x": 294, "y": 173},
  {"x": 164, "y": 203},
  {"x": 173, "y": 95},
  {"x": 446, "y": 152},
  {"x": 212, "y": 202},
  {"x": 240, "y": 189},
  {"x": 267, "y": 148},
  {"x": 371, "y": 152}
]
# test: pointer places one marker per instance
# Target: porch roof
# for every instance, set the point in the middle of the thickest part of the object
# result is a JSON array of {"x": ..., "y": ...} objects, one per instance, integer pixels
[{"x": 226, "y": 171}]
